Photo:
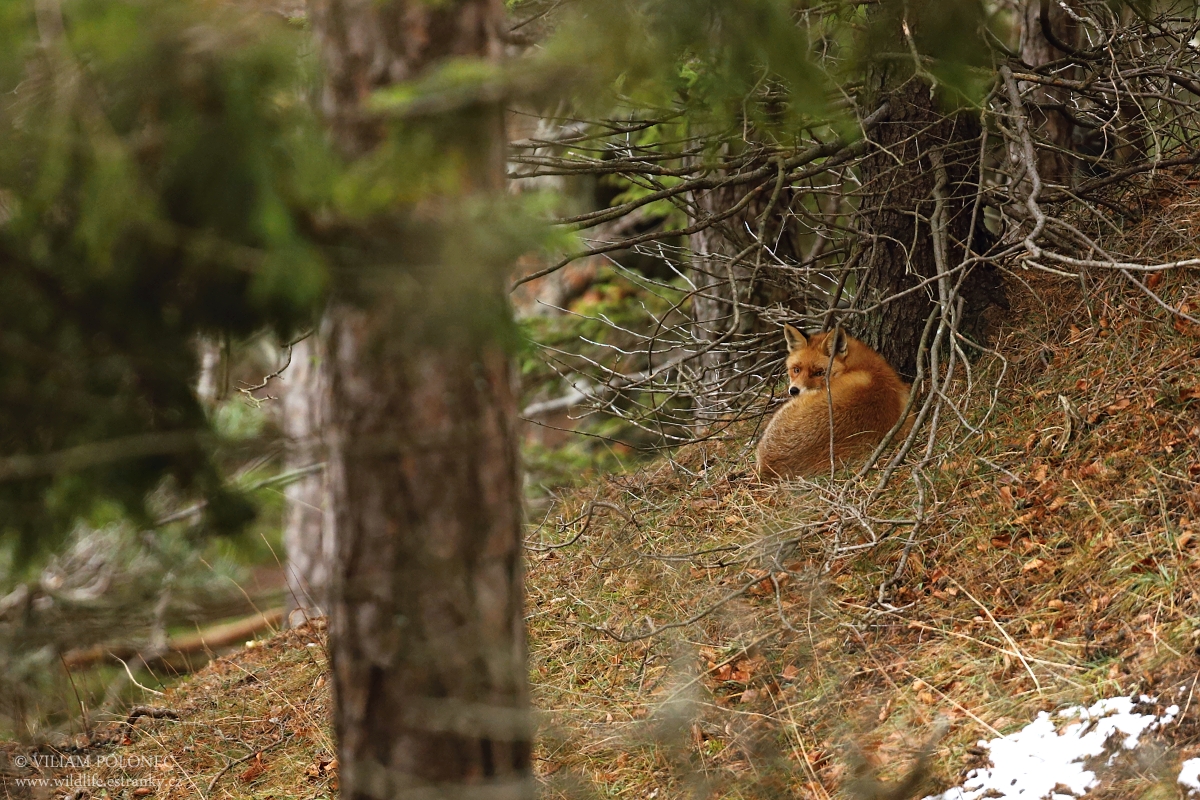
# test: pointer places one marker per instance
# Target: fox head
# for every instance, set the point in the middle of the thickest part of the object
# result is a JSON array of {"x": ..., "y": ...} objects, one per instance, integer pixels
[{"x": 814, "y": 359}]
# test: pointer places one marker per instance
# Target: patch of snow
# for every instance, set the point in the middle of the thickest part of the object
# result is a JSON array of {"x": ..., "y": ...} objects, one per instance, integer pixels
[
  {"x": 1189, "y": 775},
  {"x": 1041, "y": 762}
]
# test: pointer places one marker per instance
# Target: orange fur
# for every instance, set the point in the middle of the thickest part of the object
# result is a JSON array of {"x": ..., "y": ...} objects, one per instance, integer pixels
[{"x": 867, "y": 398}]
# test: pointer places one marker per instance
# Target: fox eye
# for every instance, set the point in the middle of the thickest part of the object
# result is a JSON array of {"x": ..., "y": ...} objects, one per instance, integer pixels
[
  {"x": 795, "y": 370},
  {"x": 818, "y": 373}
]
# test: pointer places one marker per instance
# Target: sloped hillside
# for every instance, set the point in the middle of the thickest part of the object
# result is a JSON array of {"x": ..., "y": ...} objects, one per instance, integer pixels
[
  {"x": 695, "y": 633},
  {"x": 702, "y": 631},
  {"x": 254, "y": 724}
]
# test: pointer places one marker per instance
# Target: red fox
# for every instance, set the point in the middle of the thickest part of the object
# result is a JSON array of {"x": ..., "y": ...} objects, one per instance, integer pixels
[{"x": 867, "y": 397}]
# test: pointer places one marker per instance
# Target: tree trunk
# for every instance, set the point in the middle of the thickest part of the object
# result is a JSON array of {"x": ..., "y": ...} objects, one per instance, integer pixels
[
  {"x": 427, "y": 641},
  {"x": 736, "y": 280},
  {"x": 308, "y": 530},
  {"x": 428, "y": 649},
  {"x": 212, "y": 383},
  {"x": 1045, "y": 103},
  {"x": 897, "y": 204},
  {"x": 724, "y": 313}
]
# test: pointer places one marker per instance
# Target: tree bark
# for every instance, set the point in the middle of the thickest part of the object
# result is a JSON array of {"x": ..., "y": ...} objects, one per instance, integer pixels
[
  {"x": 369, "y": 44},
  {"x": 308, "y": 528},
  {"x": 735, "y": 281},
  {"x": 427, "y": 630},
  {"x": 897, "y": 204},
  {"x": 1045, "y": 104},
  {"x": 428, "y": 649}
]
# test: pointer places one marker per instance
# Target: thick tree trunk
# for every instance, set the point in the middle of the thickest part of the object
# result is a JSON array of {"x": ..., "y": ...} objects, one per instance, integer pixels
[
  {"x": 428, "y": 648},
  {"x": 308, "y": 531},
  {"x": 369, "y": 44},
  {"x": 897, "y": 204},
  {"x": 427, "y": 624}
]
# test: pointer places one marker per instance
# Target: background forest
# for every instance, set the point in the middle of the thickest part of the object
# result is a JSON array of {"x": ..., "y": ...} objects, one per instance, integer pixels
[{"x": 440, "y": 334}]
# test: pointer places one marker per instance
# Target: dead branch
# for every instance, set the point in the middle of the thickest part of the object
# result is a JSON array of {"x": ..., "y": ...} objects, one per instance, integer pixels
[{"x": 153, "y": 712}]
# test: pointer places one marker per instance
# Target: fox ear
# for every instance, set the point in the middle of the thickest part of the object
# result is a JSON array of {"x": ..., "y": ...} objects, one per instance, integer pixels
[
  {"x": 794, "y": 338},
  {"x": 835, "y": 343}
]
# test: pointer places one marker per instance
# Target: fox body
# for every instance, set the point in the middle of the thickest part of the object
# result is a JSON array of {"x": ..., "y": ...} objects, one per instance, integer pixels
[{"x": 824, "y": 370}]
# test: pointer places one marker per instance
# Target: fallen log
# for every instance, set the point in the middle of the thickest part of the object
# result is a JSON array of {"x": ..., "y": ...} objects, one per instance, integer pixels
[{"x": 179, "y": 650}]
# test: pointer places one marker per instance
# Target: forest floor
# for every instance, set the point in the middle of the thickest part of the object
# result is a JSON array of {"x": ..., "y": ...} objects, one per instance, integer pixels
[{"x": 695, "y": 633}]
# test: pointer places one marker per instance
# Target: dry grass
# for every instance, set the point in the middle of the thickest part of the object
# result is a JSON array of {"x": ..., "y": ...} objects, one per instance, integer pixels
[
  {"x": 1049, "y": 569},
  {"x": 1057, "y": 563},
  {"x": 251, "y": 725}
]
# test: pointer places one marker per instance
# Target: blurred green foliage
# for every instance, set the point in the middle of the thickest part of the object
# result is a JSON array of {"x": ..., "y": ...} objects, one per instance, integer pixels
[
  {"x": 774, "y": 65},
  {"x": 163, "y": 177},
  {"x": 153, "y": 161}
]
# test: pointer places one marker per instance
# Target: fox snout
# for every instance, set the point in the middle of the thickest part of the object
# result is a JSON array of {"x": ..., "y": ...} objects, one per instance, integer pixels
[{"x": 803, "y": 385}]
